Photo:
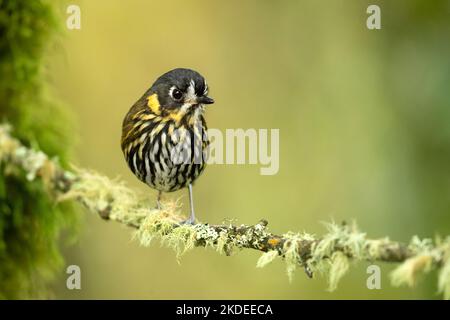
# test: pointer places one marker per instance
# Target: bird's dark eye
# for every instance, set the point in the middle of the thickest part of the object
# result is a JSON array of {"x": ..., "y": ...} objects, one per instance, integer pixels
[{"x": 176, "y": 94}]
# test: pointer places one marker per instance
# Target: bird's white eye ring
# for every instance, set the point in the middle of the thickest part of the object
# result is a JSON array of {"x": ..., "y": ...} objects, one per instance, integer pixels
[{"x": 175, "y": 93}]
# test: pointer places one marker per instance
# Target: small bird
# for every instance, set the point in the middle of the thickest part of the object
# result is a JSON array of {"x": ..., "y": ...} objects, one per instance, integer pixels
[{"x": 164, "y": 134}]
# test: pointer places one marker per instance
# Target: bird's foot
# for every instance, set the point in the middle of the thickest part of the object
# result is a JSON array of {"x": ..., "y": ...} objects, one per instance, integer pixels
[{"x": 190, "y": 221}]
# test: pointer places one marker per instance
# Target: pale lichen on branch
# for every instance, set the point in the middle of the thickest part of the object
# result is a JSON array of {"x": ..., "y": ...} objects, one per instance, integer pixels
[{"x": 330, "y": 255}]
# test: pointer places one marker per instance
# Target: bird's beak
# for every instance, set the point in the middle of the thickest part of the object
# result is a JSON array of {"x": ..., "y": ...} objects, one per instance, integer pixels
[{"x": 205, "y": 100}]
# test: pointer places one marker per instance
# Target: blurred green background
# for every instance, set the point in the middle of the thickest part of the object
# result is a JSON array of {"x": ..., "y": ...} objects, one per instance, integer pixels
[{"x": 364, "y": 119}]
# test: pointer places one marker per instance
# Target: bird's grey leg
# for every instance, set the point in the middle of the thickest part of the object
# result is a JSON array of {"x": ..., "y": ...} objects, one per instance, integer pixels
[
  {"x": 191, "y": 219},
  {"x": 158, "y": 200}
]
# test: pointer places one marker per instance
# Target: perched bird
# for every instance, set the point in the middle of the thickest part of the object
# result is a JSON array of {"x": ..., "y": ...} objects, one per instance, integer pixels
[{"x": 164, "y": 134}]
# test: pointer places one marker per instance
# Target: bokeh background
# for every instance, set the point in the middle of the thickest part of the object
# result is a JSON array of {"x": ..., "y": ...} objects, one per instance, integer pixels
[{"x": 364, "y": 119}]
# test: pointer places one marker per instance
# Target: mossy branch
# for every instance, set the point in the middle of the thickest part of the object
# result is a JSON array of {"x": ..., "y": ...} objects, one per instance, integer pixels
[{"x": 330, "y": 254}]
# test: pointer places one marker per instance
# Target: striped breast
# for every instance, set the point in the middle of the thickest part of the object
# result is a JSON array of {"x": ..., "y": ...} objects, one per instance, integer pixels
[{"x": 164, "y": 153}]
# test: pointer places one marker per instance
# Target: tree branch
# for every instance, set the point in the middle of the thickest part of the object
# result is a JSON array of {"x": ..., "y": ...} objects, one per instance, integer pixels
[{"x": 330, "y": 254}]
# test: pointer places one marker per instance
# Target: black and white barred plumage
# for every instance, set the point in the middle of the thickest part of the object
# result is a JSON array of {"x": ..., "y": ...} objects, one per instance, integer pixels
[{"x": 164, "y": 135}]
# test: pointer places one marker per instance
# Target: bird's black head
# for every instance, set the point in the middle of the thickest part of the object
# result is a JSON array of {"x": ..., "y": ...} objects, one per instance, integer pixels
[{"x": 181, "y": 88}]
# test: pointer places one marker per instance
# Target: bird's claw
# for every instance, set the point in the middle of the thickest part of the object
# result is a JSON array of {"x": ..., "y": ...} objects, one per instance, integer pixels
[{"x": 189, "y": 221}]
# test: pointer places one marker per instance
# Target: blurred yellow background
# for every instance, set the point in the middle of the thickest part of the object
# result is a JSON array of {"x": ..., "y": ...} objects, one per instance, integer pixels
[{"x": 364, "y": 119}]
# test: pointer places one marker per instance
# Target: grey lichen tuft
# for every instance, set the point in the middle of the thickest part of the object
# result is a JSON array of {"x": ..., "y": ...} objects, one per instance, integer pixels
[
  {"x": 159, "y": 224},
  {"x": 444, "y": 279},
  {"x": 112, "y": 199},
  {"x": 266, "y": 258},
  {"x": 345, "y": 238},
  {"x": 181, "y": 239},
  {"x": 224, "y": 244},
  {"x": 338, "y": 268},
  {"x": 330, "y": 255},
  {"x": 291, "y": 253},
  {"x": 35, "y": 163},
  {"x": 407, "y": 273},
  {"x": 325, "y": 247},
  {"x": 421, "y": 245},
  {"x": 426, "y": 256}
]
